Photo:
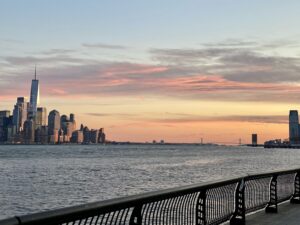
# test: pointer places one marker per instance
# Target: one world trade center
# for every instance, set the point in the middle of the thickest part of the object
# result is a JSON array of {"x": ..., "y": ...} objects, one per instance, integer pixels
[{"x": 34, "y": 96}]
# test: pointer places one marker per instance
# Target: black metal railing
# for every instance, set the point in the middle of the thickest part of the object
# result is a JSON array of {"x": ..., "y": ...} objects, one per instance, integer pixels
[{"x": 202, "y": 204}]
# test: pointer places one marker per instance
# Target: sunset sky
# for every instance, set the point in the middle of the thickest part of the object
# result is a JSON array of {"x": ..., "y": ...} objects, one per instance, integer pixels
[{"x": 160, "y": 69}]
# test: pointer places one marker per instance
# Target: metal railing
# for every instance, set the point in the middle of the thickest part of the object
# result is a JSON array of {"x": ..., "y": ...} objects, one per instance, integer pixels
[{"x": 201, "y": 204}]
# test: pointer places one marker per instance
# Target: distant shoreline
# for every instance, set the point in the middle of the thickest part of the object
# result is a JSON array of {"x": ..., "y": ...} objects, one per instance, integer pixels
[{"x": 113, "y": 143}]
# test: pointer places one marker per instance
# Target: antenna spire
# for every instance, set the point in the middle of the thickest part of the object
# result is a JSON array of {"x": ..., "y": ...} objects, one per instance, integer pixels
[{"x": 35, "y": 72}]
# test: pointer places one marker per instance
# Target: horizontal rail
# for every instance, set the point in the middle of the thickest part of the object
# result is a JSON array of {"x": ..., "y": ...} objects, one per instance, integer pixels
[{"x": 204, "y": 203}]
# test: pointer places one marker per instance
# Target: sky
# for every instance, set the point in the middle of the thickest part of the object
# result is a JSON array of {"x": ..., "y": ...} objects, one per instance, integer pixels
[{"x": 178, "y": 71}]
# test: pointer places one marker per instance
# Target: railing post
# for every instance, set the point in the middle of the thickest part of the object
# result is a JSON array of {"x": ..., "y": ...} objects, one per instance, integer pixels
[
  {"x": 238, "y": 217},
  {"x": 296, "y": 196},
  {"x": 201, "y": 209},
  {"x": 136, "y": 216},
  {"x": 272, "y": 205}
]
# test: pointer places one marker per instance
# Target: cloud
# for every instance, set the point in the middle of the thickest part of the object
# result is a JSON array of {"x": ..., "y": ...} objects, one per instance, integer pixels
[
  {"x": 11, "y": 41},
  {"x": 44, "y": 60},
  {"x": 234, "y": 63},
  {"x": 96, "y": 79},
  {"x": 231, "y": 73},
  {"x": 188, "y": 118},
  {"x": 232, "y": 43},
  {"x": 104, "y": 46},
  {"x": 127, "y": 115},
  {"x": 57, "y": 51},
  {"x": 179, "y": 118}
]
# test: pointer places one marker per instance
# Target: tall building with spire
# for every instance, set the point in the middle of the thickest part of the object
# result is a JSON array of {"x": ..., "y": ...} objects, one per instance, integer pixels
[{"x": 34, "y": 96}]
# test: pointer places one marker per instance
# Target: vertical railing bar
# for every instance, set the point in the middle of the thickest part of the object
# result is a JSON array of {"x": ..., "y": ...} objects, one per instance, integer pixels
[
  {"x": 171, "y": 210},
  {"x": 184, "y": 209},
  {"x": 125, "y": 214},
  {"x": 178, "y": 210},
  {"x": 156, "y": 211},
  {"x": 162, "y": 211},
  {"x": 256, "y": 192},
  {"x": 85, "y": 221},
  {"x": 225, "y": 202},
  {"x": 117, "y": 217},
  {"x": 193, "y": 208},
  {"x": 80, "y": 221},
  {"x": 111, "y": 218},
  {"x": 145, "y": 213},
  {"x": 102, "y": 218},
  {"x": 107, "y": 218},
  {"x": 175, "y": 210},
  {"x": 218, "y": 203},
  {"x": 190, "y": 206},
  {"x": 187, "y": 208},
  {"x": 207, "y": 204},
  {"x": 91, "y": 221},
  {"x": 165, "y": 219},
  {"x": 150, "y": 211}
]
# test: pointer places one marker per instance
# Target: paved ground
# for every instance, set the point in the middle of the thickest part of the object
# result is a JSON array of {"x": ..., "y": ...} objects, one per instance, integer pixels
[{"x": 288, "y": 214}]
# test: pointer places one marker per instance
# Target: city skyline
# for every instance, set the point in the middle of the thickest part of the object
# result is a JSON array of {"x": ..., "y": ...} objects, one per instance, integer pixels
[
  {"x": 148, "y": 73},
  {"x": 29, "y": 124}
]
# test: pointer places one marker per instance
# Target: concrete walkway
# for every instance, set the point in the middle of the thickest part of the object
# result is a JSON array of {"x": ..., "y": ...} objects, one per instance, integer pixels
[{"x": 288, "y": 214}]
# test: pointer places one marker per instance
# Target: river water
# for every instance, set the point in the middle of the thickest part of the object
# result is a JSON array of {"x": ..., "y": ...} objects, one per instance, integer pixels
[{"x": 37, "y": 178}]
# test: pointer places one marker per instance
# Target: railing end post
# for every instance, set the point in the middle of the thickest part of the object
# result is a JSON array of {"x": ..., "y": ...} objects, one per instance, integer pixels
[
  {"x": 272, "y": 205},
  {"x": 296, "y": 196},
  {"x": 201, "y": 208},
  {"x": 239, "y": 215},
  {"x": 136, "y": 216}
]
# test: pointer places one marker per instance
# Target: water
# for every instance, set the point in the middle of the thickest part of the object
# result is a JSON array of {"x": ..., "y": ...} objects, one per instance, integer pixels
[{"x": 36, "y": 178}]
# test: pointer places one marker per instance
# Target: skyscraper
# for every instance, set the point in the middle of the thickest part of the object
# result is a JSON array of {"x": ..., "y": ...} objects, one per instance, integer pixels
[
  {"x": 41, "y": 117},
  {"x": 4, "y": 121},
  {"x": 53, "y": 125},
  {"x": 29, "y": 131},
  {"x": 53, "y": 121},
  {"x": 68, "y": 125},
  {"x": 34, "y": 96},
  {"x": 20, "y": 114},
  {"x": 101, "y": 137},
  {"x": 72, "y": 119},
  {"x": 294, "y": 127},
  {"x": 254, "y": 139},
  {"x": 94, "y": 136}
]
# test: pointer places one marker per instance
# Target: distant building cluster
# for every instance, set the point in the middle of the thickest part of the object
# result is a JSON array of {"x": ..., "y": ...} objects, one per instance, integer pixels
[
  {"x": 30, "y": 124},
  {"x": 294, "y": 134}
]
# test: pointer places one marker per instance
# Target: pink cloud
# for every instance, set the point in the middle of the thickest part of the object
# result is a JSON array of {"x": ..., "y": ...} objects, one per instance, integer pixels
[{"x": 127, "y": 79}]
